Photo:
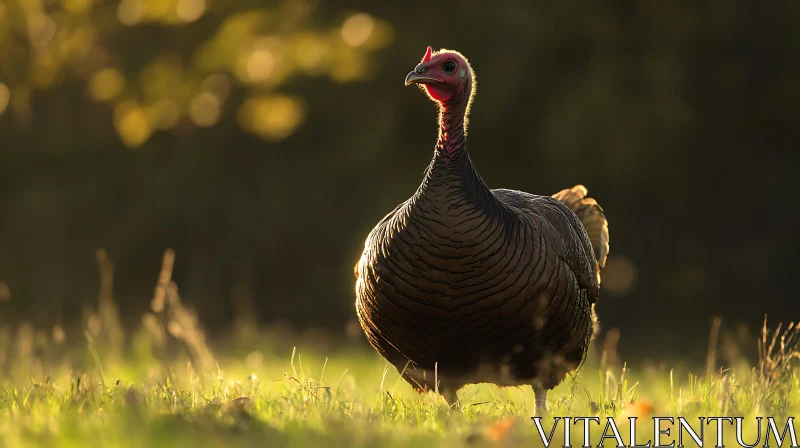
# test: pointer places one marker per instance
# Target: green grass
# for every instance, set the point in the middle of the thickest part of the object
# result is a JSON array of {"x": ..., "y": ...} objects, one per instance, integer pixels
[
  {"x": 277, "y": 395},
  {"x": 164, "y": 385}
]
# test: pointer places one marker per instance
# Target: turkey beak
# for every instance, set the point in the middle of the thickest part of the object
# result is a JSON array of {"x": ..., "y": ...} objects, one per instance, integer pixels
[{"x": 418, "y": 76}]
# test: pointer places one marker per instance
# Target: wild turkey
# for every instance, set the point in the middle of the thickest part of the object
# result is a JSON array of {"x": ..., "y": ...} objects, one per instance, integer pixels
[{"x": 461, "y": 284}]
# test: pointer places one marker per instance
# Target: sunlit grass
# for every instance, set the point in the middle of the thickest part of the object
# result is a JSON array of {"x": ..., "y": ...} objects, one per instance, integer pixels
[
  {"x": 164, "y": 385},
  {"x": 285, "y": 395}
]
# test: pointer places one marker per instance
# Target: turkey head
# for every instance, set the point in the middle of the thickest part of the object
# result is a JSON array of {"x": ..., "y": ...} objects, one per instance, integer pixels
[{"x": 446, "y": 76}]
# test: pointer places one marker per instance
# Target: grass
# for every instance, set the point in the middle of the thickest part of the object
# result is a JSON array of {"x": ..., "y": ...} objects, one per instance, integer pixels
[
  {"x": 164, "y": 385},
  {"x": 279, "y": 396}
]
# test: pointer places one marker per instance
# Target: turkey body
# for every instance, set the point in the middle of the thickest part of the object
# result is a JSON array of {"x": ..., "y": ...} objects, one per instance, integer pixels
[
  {"x": 462, "y": 284},
  {"x": 466, "y": 285}
]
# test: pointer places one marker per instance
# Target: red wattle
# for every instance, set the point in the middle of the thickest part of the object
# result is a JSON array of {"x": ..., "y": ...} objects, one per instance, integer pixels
[{"x": 440, "y": 95}]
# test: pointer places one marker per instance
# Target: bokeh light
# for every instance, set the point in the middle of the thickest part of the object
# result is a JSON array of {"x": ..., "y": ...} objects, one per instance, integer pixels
[
  {"x": 157, "y": 10},
  {"x": 149, "y": 91},
  {"x": 5, "y": 292},
  {"x": 190, "y": 10},
  {"x": 273, "y": 118},
  {"x": 5, "y": 97},
  {"x": 132, "y": 124},
  {"x": 59, "y": 336},
  {"x": 260, "y": 64},
  {"x": 357, "y": 29},
  {"x": 205, "y": 109},
  {"x": 106, "y": 84},
  {"x": 76, "y": 6},
  {"x": 262, "y": 61},
  {"x": 130, "y": 12},
  {"x": 619, "y": 275},
  {"x": 41, "y": 30},
  {"x": 310, "y": 52}
]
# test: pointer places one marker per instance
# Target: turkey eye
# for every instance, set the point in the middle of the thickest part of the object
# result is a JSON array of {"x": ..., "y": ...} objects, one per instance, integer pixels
[{"x": 449, "y": 66}]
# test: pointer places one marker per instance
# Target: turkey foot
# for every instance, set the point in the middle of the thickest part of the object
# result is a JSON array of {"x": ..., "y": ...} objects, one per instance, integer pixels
[
  {"x": 450, "y": 397},
  {"x": 540, "y": 397}
]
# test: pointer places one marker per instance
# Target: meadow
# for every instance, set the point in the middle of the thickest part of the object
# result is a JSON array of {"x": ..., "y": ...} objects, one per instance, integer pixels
[{"x": 164, "y": 384}]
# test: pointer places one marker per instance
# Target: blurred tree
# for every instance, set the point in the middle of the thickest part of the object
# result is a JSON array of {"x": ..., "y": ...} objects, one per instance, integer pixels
[
  {"x": 272, "y": 135},
  {"x": 172, "y": 64}
]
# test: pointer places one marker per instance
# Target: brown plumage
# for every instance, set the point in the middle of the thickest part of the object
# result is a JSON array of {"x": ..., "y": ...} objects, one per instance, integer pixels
[{"x": 461, "y": 284}]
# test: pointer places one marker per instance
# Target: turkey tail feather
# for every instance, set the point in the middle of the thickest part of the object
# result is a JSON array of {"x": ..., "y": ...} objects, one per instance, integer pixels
[{"x": 593, "y": 219}]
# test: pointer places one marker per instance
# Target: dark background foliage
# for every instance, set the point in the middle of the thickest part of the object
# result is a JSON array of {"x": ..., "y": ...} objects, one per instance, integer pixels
[{"x": 681, "y": 119}]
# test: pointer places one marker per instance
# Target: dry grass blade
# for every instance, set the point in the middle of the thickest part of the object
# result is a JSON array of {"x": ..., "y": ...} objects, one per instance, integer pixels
[{"x": 777, "y": 361}]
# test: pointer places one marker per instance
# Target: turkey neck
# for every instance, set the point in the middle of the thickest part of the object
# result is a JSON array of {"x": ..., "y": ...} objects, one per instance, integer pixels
[{"x": 451, "y": 182}]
